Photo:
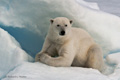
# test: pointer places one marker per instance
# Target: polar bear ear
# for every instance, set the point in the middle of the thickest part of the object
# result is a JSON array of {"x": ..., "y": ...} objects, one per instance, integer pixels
[
  {"x": 51, "y": 21},
  {"x": 71, "y": 21}
]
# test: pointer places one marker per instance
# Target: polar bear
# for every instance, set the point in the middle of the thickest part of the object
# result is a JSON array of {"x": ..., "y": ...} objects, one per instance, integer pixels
[{"x": 67, "y": 46}]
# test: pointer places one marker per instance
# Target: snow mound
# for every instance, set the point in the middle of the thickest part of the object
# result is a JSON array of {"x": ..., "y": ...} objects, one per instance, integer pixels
[
  {"x": 91, "y": 5},
  {"x": 11, "y": 54},
  {"x": 39, "y": 71},
  {"x": 114, "y": 59}
]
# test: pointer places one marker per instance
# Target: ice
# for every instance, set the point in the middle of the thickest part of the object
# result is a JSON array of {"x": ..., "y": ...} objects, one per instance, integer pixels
[
  {"x": 11, "y": 54},
  {"x": 35, "y": 16},
  {"x": 114, "y": 59},
  {"x": 88, "y": 4},
  {"x": 39, "y": 71},
  {"x": 110, "y": 6},
  {"x": 116, "y": 74}
]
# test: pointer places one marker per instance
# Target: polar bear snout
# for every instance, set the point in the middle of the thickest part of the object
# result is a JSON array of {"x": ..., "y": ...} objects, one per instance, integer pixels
[{"x": 62, "y": 33}]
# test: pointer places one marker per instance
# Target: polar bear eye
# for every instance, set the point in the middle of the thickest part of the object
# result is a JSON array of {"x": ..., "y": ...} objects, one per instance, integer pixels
[
  {"x": 65, "y": 25},
  {"x": 58, "y": 25}
]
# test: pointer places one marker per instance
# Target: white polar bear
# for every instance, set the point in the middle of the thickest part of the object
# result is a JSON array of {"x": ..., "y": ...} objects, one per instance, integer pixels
[{"x": 72, "y": 46}]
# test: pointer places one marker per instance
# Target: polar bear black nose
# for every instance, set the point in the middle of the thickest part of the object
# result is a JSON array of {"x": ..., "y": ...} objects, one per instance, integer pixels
[{"x": 62, "y": 33}]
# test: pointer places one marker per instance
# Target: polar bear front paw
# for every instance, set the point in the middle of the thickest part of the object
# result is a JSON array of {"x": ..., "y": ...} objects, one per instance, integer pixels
[
  {"x": 42, "y": 58},
  {"x": 37, "y": 58}
]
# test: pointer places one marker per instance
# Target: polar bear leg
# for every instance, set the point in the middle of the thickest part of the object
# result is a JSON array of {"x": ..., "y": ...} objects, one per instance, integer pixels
[
  {"x": 61, "y": 61},
  {"x": 95, "y": 58}
]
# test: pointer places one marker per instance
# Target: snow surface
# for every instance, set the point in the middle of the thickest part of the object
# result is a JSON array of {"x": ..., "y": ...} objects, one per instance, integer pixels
[
  {"x": 33, "y": 15},
  {"x": 111, "y": 6},
  {"x": 11, "y": 54},
  {"x": 114, "y": 59},
  {"x": 39, "y": 71}
]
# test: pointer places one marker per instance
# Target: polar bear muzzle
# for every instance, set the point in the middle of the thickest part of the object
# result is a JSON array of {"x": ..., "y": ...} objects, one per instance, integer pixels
[{"x": 62, "y": 33}]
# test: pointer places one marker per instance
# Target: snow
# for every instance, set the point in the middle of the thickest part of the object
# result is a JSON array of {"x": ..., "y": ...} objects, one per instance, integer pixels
[
  {"x": 11, "y": 54},
  {"x": 39, "y": 71},
  {"x": 116, "y": 74},
  {"x": 34, "y": 15},
  {"x": 88, "y": 4},
  {"x": 110, "y": 6},
  {"x": 113, "y": 58}
]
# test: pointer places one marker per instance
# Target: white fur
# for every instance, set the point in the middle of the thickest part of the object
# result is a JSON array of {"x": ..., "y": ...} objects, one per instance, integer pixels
[{"x": 75, "y": 48}]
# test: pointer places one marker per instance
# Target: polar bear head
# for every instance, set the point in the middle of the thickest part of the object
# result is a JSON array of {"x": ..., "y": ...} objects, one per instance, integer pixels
[{"x": 61, "y": 26}]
